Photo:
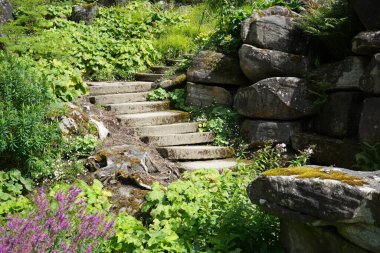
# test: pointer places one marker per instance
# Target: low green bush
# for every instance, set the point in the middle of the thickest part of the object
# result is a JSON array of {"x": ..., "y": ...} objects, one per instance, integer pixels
[{"x": 27, "y": 137}]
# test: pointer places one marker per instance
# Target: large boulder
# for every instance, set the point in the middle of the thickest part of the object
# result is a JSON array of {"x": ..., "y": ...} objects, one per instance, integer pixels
[
  {"x": 204, "y": 95},
  {"x": 277, "y": 98},
  {"x": 86, "y": 13},
  {"x": 344, "y": 202},
  {"x": 369, "y": 127},
  {"x": 343, "y": 75},
  {"x": 258, "y": 132},
  {"x": 258, "y": 64},
  {"x": 340, "y": 115},
  {"x": 6, "y": 11},
  {"x": 366, "y": 43},
  {"x": 275, "y": 29},
  {"x": 370, "y": 81},
  {"x": 327, "y": 151},
  {"x": 216, "y": 68},
  {"x": 298, "y": 237},
  {"x": 368, "y": 12}
]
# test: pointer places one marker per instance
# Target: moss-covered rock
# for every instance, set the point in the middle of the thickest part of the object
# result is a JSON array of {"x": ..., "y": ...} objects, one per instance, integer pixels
[{"x": 325, "y": 199}]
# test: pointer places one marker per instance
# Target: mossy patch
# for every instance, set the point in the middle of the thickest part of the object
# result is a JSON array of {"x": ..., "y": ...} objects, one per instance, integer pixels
[{"x": 310, "y": 172}]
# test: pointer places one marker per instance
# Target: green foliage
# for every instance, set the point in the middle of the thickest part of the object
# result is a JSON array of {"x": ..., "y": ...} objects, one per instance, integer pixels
[
  {"x": 27, "y": 138},
  {"x": 80, "y": 146},
  {"x": 95, "y": 196},
  {"x": 223, "y": 121},
  {"x": 333, "y": 23},
  {"x": 203, "y": 212},
  {"x": 185, "y": 36},
  {"x": 158, "y": 95},
  {"x": 12, "y": 186},
  {"x": 117, "y": 44},
  {"x": 369, "y": 158},
  {"x": 274, "y": 156}
]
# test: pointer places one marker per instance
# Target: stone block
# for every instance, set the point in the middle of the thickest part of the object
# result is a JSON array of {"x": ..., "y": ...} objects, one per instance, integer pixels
[
  {"x": 340, "y": 116},
  {"x": 369, "y": 127},
  {"x": 257, "y": 132},
  {"x": 204, "y": 95}
]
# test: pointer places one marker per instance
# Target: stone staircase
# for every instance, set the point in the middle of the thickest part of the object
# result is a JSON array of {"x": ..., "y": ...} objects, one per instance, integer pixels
[{"x": 155, "y": 123}]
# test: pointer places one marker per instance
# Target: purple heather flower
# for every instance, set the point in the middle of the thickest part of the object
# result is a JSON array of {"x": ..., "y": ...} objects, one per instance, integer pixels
[{"x": 64, "y": 229}]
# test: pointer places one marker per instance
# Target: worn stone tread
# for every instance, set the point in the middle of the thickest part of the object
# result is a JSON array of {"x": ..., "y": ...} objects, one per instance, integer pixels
[
  {"x": 179, "y": 139},
  {"x": 195, "y": 152},
  {"x": 220, "y": 164},
  {"x": 119, "y": 98},
  {"x": 148, "y": 77},
  {"x": 138, "y": 107},
  {"x": 102, "y": 88},
  {"x": 153, "y": 118},
  {"x": 177, "y": 128}
]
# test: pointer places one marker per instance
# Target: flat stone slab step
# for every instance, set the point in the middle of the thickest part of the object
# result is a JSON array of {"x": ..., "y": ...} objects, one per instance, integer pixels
[
  {"x": 178, "y": 139},
  {"x": 161, "y": 69},
  {"x": 178, "y": 128},
  {"x": 119, "y": 98},
  {"x": 195, "y": 152},
  {"x": 153, "y": 118},
  {"x": 102, "y": 88},
  {"x": 220, "y": 164},
  {"x": 173, "y": 62},
  {"x": 148, "y": 77},
  {"x": 138, "y": 107}
]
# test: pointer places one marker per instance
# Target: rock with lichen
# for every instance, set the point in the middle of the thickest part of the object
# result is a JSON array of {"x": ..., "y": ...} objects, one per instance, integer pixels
[
  {"x": 316, "y": 201},
  {"x": 274, "y": 28},
  {"x": 209, "y": 67},
  {"x": 258, "y": 64}
]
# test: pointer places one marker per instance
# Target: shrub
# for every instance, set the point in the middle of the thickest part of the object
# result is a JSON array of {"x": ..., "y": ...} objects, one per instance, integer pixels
[
  {"x": 61, "y": 226},
  {"x": 27, "y": 137}
]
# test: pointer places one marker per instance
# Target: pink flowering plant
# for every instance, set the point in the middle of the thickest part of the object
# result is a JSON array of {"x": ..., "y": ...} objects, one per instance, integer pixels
[{"x": 58, "y": 225}]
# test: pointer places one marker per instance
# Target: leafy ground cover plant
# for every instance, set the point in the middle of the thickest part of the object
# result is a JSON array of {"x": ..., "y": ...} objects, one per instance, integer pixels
[
  {"x": 117, "y": 44},
  {"x": 61, "y": 225},
  {"x": 12, "y": 188}
]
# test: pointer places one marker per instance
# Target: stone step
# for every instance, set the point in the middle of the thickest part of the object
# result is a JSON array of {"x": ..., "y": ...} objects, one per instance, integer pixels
[
  {"x": 195, "y": 152},
  {"x": 153, "y": 118},
  {"x": 148, "y": 77},
  {"x": 102, "y": 88},
  {"x": 220, "y": 164},
  {"x": 119, "y": 98},
  {"x": 173, "y": 62},
  {"x": 178, "y": 139},
  {"x": 179, "y": 128},
  {"x": 139, "y": 107},
  {"x": 161, "y": 69}
]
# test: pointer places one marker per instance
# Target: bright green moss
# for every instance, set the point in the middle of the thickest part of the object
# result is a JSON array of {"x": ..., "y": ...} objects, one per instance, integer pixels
[{"x": 311, "y": 172}]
